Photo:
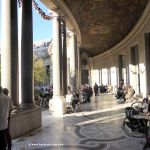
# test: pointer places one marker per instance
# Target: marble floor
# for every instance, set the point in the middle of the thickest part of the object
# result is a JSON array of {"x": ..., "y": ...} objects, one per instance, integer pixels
[{"x": 97, "y": 127}]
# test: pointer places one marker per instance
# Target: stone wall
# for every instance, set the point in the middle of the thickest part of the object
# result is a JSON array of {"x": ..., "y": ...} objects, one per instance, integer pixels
[{"x": 25, "y": 121}]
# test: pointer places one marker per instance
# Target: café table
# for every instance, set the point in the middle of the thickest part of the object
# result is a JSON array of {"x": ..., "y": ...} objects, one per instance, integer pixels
[{"x": 146, "y": 119}]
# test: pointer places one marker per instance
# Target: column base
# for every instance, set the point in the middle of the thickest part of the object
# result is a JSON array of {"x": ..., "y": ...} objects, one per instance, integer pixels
[
  {"x": 16, "y": 108},
  {"x": 28, "y": 105},
  {"x": 57, "y": 105}
]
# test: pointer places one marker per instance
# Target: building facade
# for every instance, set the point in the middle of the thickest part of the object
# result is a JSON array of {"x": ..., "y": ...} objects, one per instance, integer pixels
[{"x": 42, "y": 50}]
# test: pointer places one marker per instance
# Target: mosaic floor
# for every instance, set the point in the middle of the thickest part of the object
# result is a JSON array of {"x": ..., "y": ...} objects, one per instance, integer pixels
[{"x": 97, "y": 127}]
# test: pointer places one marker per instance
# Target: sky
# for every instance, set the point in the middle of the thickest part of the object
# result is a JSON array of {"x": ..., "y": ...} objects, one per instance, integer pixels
[{"x": 42, "y": 29}]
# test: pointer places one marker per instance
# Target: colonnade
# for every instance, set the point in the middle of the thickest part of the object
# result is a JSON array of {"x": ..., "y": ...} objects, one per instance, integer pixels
[
  {"x": 60, "y": 63},
  {"x": 10, "y": 57}
]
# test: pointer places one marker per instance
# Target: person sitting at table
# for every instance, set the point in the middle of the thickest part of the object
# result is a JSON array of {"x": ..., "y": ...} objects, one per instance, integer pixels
[
  {"x": 120, "y": 93},
  {"x": 146, "y": 123},
  {"x": 145, "y": 106}
]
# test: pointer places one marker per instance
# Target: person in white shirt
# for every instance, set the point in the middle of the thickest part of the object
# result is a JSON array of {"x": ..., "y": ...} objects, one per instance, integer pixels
[
  {"x": 69, "y": 98},
  {"x": 5, "y": 108}
]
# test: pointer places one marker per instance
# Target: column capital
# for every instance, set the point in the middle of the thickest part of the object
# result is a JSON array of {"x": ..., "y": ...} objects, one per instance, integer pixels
[
  {"x": 57, "y": 13},
  {"x": 54, "y": 13},
  {"x": 63, "y": 17},
  {"x": 71, "y": 33}
]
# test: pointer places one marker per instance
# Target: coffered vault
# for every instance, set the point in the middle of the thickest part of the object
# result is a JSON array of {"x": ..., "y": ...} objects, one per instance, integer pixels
[{"x": 102, "y": 23}]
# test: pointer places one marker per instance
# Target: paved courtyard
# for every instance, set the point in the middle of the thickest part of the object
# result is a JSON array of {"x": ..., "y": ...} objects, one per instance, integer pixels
[{"x": 97, "y": 127}]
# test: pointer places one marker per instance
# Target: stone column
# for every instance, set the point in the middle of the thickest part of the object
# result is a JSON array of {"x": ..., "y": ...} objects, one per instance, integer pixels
[
  {"x": 72, "y": 62},
  {"x": 57, "y": 57},
  {"x": 9, "y": 53},
  {"x": 91, "y": 72},
  {"x": 27, "y": 55},
  {"x": 78, "y": 67},
  {"x": 68, "y": 69},
  {"x": 57, "y": 104},
  {"x": 64, "y": 59}
]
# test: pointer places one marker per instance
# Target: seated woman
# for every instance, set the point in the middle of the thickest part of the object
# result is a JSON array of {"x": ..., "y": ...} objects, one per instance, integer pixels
[
  {"x": 130, "y": 93},
  {"x": 69, "y": 99}
]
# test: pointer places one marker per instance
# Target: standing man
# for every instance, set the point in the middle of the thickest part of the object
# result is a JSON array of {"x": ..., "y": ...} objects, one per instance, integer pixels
[
  {"x": 96, "y": 89},
  {"x": 6, "y": 91},
  {"x": 5, "y": 108}
]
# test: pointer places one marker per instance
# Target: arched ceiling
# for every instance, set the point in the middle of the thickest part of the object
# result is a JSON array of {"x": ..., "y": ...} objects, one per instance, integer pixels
[{"x": 104, "y": 23}]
